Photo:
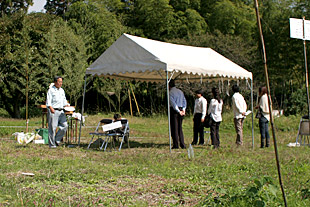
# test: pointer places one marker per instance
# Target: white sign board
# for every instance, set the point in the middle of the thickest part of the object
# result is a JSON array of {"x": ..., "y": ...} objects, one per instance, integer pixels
[
  {"x": 307, "y": 29},
  {"x": 296, "y": 28},
  {"x": 299, "y": 29}
]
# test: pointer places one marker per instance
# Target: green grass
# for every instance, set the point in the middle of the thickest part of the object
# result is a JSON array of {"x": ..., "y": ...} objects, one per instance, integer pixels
[{"x": 147, "y": 174}]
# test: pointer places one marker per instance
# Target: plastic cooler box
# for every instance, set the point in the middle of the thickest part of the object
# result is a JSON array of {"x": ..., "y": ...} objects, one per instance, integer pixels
[{"x": 44, "y": 134}]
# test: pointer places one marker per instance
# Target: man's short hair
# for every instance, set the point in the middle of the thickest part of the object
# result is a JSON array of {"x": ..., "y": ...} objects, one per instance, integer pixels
[
  {"x": 235, "y": 88},
  {"x": 56, "y": 78},
  {"x": 117, "y": 116},
  {"x": 171, "y": 83},
  {"x": 200, "y": 91}
]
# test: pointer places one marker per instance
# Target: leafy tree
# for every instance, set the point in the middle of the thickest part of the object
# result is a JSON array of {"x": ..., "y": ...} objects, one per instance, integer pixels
[
  {"x": 58, "y": 7},
  {"x": 36, "y": 49},
  {"x": 233, "y": 18},
  {"x": 180, "y": 5},
  {"x": 65, "y": 57},
  {"x": 21, "y": 76},
  {"x": 114, "y": 6},
  {"x": 296, "y": 103},
  {"x": 284, "y": 55},
  {"x": 206, "y": 8},
  {"x": 12, "y": 6},
  {"x": 99, "y": 34},
  {"x": 232, "y": 47},
  {"x": 154, "y": 17},
  {"x": 110, "y": 88}
]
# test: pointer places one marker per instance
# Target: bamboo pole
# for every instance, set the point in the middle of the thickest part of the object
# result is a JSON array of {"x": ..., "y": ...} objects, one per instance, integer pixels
[
  {"x": 269, "y": 100},
  {"x": 135, "y": 99},
  {"x": 130, "y": 104}
]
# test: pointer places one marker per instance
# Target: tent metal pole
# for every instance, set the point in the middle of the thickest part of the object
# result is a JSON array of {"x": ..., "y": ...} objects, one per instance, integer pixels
[
  {"x": 168, "y": 105},
  {"x": 81, "y": 122},
  {"x": 252, "y": 112}
]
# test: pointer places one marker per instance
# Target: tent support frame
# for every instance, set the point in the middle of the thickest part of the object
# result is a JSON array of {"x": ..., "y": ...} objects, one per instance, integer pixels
[{"x": 168, "y": 105}]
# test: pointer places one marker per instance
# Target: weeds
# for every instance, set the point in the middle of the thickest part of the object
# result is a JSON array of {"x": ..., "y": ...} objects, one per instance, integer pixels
[{"x": 147, "y": 174}]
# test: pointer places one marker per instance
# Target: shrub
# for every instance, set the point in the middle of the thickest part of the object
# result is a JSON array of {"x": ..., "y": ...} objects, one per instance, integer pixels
[{"x": 296, "y": 103}]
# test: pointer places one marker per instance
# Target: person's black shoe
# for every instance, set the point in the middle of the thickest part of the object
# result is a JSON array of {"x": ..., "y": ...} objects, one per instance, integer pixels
[
  {"x": 183, "y": 147},
  {"x": 193, "y": 143},
  {"x": 175, "y": 148}
]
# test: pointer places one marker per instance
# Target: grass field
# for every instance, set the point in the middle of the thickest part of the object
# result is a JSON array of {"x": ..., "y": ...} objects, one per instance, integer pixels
[{"x": 147, "y": 174}]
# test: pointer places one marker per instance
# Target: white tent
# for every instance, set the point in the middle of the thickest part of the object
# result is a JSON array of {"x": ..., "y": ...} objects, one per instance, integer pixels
[
  {"x": 132, "y": 57},
  {"x": 136, "y": 58}
]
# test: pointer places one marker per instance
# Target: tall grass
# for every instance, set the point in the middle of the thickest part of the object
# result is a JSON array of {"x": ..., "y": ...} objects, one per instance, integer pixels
[{"x": 147, "y": 174}]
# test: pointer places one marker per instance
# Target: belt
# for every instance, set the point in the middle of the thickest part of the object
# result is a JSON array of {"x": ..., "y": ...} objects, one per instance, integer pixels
[{"x": 58, "y": 109}]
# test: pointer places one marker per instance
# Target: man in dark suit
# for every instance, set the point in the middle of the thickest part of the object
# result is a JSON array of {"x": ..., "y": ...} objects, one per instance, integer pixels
[{"x": 177, "y": 112}]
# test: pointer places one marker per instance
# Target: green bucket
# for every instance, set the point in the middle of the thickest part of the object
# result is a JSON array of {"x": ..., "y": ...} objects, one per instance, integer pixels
[{"x": 44, "y": 134}]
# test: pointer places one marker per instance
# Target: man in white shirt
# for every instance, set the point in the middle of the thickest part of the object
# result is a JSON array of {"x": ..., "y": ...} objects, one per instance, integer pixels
[
  {"x": 200, "y": 110},
  {"x": 177, "y": 112},
  {"x": 239, "y": 109},
  {"x": 55, "y": 103}
]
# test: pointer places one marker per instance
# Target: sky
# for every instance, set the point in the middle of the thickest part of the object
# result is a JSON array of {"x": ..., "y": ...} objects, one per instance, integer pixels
[{"x": 37, "y": 6}]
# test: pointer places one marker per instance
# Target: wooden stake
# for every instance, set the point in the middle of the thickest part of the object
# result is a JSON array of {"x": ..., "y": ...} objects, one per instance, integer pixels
[
  {"x": 130, "y": 102},
  {"x": 135, "y": 99},
  {"x": 269, "y": 100}
]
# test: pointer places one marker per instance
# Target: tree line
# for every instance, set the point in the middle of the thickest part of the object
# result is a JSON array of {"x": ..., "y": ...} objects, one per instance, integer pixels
[{"x": 71, "y": 34}]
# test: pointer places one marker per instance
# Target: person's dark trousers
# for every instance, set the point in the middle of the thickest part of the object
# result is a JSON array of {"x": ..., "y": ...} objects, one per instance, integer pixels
[
  {"x": 264, "y": 132},
  {"x": 198, "y": 129},
  {"x": 215, "y": 136},
  {"x": 176, "y": 129}
]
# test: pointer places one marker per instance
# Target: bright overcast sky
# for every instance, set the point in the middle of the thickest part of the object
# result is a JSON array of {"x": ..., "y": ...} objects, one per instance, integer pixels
[{"x": 37, "y": 6}]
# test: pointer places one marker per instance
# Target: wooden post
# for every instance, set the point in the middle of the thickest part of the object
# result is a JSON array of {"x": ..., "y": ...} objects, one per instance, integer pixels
[
  {"x": 135, "y": 100},
  {"x": 269, "y": 100},
  {"x": 130, "y": 102}
]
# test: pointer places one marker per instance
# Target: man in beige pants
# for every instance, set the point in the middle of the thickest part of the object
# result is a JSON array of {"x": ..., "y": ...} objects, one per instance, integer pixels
[{"x": 239, "y": 108}]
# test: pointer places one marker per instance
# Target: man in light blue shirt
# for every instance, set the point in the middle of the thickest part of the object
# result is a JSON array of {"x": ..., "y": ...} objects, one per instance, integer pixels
[
  {"x": 177, "y": 112},
  {"x": 55, "y": 103}
]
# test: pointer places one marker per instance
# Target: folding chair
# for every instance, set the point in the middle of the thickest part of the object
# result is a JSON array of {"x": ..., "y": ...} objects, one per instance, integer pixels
[
  {"x": 97, "y": 133},
  {"x": 303, "y": 130},
  {"x": 119, "y": 133}
]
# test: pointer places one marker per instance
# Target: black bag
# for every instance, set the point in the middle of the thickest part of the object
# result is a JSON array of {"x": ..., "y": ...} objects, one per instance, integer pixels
[
  {"x": 259, "y": 113},
  {"x": 208, "y": 121}
]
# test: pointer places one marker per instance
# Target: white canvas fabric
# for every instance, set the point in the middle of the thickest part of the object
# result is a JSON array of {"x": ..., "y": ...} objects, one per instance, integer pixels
[{"x": 132, "y": 57}]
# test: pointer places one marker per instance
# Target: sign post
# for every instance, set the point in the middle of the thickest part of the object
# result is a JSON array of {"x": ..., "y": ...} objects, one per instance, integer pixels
[{"x": 300, "y": 29}]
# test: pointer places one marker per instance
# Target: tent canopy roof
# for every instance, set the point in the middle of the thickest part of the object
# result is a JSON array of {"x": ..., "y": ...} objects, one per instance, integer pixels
[{"x": 131, "y": 57}]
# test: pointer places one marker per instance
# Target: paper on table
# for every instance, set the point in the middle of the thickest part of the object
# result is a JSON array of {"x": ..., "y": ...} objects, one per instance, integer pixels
[{"x": 69, "y": 108}]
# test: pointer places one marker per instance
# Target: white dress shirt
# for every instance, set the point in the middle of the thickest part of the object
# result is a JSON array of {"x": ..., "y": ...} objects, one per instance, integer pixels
[
  {"x": 215, "y": 109},
  {"x": 239, "y": 105},
  {"x": 56, "y": 98},
  {"x": 177, "y": 99},
  {"x": 201, "y": 106}
]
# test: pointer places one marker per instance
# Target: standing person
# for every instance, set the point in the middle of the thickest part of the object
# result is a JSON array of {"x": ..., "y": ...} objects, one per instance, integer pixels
[
  {"x": 200, "y": 110},
  {"x": 215, "y": 111},
  {"x": 177, "y": 112},
  {"x": 264, "y": 117},
  {"x": 55, "y": 103},
  {"x": 239, "y": 109}
]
